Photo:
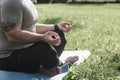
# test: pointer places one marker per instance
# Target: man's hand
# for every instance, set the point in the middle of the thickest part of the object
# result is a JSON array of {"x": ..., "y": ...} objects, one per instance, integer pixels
[
  {"x": 64, "y": 26},
  {"x": 52, "y": 38}
]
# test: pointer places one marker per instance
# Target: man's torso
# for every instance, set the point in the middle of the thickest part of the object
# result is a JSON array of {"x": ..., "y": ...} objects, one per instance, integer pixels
[{"x": 27, "y": 18}]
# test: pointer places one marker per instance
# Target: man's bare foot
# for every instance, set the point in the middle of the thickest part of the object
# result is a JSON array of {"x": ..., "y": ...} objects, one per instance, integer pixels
[
  {"x": 50, "y": 72},
  {"x": 71, "y": 59}
]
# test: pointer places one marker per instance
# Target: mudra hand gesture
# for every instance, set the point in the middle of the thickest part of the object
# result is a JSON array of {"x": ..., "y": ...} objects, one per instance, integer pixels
[{"x": 52, "y": 37}]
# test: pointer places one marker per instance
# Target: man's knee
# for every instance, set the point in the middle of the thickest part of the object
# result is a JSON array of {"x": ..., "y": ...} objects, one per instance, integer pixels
[{"x": 50, "y": 61}]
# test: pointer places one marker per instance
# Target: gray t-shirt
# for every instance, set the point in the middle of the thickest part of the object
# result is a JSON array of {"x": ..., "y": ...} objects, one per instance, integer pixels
[{"x": 17, "y": 11}]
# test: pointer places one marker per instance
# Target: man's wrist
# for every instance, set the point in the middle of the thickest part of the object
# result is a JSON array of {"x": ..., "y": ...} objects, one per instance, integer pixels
[{"x": 56, "y": 27}]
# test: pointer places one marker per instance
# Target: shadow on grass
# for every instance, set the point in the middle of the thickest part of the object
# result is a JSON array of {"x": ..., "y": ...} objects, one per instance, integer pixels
[
  {"x": 52, "y": 20},
  {"x": 94, "y": 3}
]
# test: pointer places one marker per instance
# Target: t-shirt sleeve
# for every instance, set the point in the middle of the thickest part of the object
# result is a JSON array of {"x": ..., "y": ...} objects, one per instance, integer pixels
[{"x": 11, "y": 11}]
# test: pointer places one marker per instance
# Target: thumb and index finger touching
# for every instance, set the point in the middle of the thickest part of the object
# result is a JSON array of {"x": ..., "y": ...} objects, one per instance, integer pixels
[{"x": 55, "y": 38}]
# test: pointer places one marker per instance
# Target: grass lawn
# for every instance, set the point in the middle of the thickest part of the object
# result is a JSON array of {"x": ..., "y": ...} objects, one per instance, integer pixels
[{"x": 96, "y": 28}]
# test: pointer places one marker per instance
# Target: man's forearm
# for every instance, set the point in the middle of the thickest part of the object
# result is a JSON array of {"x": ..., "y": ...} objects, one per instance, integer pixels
[
  {"x": 23, "y": 37},
  {"x": 42, "y": 28},
  {"x": 14, "y": 34}
]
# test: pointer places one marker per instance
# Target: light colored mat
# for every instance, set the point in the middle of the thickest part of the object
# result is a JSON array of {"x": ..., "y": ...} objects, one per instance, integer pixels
[{"x": 83, "y": 54}]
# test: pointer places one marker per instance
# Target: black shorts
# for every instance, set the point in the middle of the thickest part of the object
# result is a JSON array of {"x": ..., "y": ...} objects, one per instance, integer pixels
[{"x": 30, "y": 59}]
